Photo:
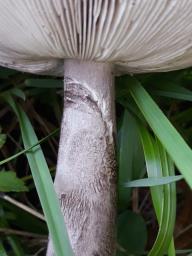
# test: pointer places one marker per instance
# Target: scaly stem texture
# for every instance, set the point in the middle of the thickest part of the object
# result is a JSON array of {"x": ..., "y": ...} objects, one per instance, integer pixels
[{"x": 86, "y": 170}]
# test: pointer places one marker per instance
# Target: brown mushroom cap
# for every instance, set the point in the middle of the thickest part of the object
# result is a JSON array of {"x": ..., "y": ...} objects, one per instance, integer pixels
[{"x": 135, "y": 35}]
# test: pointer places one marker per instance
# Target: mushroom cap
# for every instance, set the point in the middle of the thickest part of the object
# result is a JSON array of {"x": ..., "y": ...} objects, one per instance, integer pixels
[{"x": 135, "y": 35}]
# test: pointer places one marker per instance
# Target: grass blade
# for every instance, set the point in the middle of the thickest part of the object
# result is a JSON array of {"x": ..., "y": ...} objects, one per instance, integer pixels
[
  {"x": 43, "y": 183},
  {"x": 28, "y": 149},
  {"x": 130, "y": 157},
  {"x": 2, "y": 250},
  {"x": 171, "y": 90},
  {"x": 172, "y": 141},
  {"x": 124, "y": 162},
  {"x": 151, "y": 182},
  {"x": 12, "y": 240},
  {"x": 164, "y": 197}
]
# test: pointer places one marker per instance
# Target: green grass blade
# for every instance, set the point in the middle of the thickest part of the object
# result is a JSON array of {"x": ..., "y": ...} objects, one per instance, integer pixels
[
  {"x": 28, "y": 149},
  {"x": 169, "y": 198},
  {"x": 130, "y": 157},
  {"x": 151, "y": 182},
  {"x": 171, "y": 250},
  {"x": 16, "y": 247},
  {"x": 164, "y": 197},
  {"x": 44, "y": 184},
  {"x": 124, "y": 162},
  {"x": 153, "y": 166},
  {"x": 2, "y": 250},
  {"x": 13, "y": 241},
  {"x": 171, "y": 90},
  {"x": 175, "y": 145}
]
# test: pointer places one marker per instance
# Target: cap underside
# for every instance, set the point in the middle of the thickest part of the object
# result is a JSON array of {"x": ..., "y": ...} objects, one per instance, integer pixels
[{"x": 135, "y": 35}]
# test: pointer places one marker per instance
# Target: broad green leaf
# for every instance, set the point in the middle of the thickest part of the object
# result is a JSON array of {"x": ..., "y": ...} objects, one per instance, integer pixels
[
  {"x": 9, "y": 182},
  {"x": 150, "y": 182},
  {"x": 131, "y": 227},
  {"x": 172, "y": 141},
  {"x": 44, "y": 184}
]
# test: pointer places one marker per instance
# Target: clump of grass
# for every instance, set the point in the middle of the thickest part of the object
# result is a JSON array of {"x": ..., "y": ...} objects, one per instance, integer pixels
[{"x": 150, "y": 153}]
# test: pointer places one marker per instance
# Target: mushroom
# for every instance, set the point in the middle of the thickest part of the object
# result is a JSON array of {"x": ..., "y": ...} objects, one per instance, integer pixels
[{"x": 90, "y": 41}]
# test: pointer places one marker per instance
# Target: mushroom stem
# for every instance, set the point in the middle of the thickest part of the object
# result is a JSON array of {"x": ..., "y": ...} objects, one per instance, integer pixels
[{"x": 86, "y": 170}]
